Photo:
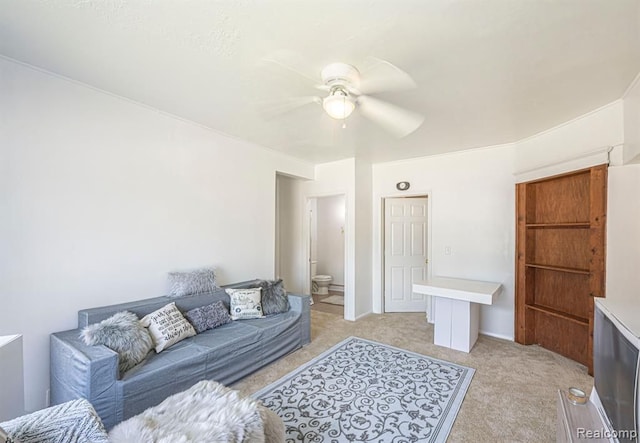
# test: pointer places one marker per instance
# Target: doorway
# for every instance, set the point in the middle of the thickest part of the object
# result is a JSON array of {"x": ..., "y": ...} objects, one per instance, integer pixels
[
  {"x": 326, "y": 247},
  {"x": 406, "y": 253}
]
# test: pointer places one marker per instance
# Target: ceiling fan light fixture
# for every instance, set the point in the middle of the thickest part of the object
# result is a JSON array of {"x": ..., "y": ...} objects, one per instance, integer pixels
[{"x": 338, "y": 104}]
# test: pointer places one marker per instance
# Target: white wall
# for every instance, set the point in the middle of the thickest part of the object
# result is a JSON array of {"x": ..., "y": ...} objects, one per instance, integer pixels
[
  {"x": 289, "y": 233},
  {"x": 598, "y": 129},
  {"x": 330, "y": 223},
  {"x": 632, "y": 123},
  {"x": 473, "y": 203},
  {"x": 364, "y": 232},
  {"x": 101, "y": 197},
  {"x": 623, "y": 232},
  {"x": 472, "y": 212}
]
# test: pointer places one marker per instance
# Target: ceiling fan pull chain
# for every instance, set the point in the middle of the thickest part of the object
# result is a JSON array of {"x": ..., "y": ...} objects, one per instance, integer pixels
[{"x": 344, "y": 112}]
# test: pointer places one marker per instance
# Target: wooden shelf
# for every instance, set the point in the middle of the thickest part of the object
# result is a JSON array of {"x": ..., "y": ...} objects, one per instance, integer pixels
[
  {"x": 560, "y": 314},
  {"x": 558, "y": 268},
  {"x": 560, "y": 260},
  {"x": 558, "y": 225}
]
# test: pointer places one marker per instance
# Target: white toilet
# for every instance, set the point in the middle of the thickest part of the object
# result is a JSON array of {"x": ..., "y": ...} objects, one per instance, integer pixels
[{"x": 322, "y": 283}]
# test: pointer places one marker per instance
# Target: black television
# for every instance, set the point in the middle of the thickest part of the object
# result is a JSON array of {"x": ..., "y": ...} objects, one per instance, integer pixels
[{"x": 616, "y": 368}]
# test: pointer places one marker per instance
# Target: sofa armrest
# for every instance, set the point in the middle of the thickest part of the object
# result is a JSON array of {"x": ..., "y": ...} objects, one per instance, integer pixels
[
  {"x": 302, "y": 304},
  {"x": 81, "y": 371}
]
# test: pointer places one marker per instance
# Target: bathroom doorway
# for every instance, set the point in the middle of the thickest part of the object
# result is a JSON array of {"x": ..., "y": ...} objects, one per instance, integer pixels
[{"x": 327, "y": 252}]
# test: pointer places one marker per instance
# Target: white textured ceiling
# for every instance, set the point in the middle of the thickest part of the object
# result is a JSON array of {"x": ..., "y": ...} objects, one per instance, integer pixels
[{"x": 488, "y": 71}]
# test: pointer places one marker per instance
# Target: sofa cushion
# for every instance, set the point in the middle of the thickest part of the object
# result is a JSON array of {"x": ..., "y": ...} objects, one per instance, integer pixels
[
  {"x": 123, "y": 333},
  {"x": 228, "y": 349},
  {"x": 167, "y": 326},
  {"x": 274, "y": 325}
]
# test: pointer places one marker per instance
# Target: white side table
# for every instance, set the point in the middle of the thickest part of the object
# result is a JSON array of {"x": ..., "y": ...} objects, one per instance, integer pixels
[{"x": 457, "y": 308}]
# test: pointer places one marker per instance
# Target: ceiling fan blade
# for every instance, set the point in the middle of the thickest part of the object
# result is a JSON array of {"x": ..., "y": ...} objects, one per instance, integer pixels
[
  {"x": 398, "y": 121},
  {"x": 271, "y": 109},
  {"x": 382, "y": 75},
  {"x": 292, "y": 62}
]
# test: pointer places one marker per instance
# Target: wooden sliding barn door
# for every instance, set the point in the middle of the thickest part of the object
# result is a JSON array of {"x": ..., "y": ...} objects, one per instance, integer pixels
[{"x": 560, "y": 265}]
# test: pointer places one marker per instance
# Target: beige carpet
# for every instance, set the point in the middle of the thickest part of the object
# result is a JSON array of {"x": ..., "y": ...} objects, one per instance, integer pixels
[{"x": 512, "y": 397}]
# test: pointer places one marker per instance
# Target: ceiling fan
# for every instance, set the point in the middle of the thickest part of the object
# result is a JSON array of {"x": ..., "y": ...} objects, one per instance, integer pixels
[{"x": 348, "y": 89}]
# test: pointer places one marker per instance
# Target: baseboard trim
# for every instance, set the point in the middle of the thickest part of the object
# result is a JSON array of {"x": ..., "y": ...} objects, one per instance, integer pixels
[
  {"x": 337, "y": 288},
  {"x": 494, "y": 335},
  {"x": 363, "y": 315}
]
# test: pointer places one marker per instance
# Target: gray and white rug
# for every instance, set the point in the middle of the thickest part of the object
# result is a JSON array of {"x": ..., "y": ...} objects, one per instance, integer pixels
[{"x": 364, "y": 391}]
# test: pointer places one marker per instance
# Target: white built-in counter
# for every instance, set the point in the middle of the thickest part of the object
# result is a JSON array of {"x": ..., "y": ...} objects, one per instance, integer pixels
[{"x": 457, "y": 308}]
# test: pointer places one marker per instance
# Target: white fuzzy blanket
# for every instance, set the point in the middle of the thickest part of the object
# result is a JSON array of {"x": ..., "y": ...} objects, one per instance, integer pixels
[{"x": 206, "y": 412}]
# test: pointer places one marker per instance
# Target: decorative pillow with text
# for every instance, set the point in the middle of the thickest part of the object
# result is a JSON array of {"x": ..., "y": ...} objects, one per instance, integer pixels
[
  {"x": 167, "y": 326},
  {"x": 245, "y": 303}
]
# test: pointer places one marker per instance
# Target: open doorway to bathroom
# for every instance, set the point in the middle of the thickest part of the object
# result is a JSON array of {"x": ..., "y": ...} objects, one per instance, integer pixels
[{"x": 326, "y": 216}]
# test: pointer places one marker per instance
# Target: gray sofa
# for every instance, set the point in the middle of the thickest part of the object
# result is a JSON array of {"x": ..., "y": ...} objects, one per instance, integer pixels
[{"x": 224, "y": 354}]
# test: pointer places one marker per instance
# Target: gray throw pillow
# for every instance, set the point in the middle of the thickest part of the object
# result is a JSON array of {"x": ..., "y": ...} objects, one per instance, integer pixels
[
  {"x": 123, "y": 333},
  {"x": 209, "y": 316},
  {"x": 274, "y": 297},
  {"x": 192, "y": 282}
]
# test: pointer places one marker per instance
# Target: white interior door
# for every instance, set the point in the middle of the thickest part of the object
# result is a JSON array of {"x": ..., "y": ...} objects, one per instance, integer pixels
[{"x": 405, "y": 253}]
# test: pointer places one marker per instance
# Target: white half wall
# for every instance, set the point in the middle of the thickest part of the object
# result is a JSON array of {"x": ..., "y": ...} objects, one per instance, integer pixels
[{"x": 101, "y": 197}]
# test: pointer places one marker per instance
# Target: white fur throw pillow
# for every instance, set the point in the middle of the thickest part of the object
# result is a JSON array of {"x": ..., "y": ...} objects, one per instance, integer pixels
[
  {"x": 123, "y": 333},
  {"x": 245, "y": 303},
  {"x": 167, "y": 326}
]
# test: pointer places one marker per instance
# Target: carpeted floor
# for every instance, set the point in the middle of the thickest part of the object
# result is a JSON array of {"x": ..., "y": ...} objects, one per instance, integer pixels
[{"x": 512, "y": 397}]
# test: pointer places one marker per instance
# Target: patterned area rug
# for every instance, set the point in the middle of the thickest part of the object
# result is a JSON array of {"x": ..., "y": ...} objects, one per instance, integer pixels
[{"x": 365, "y": 391}]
